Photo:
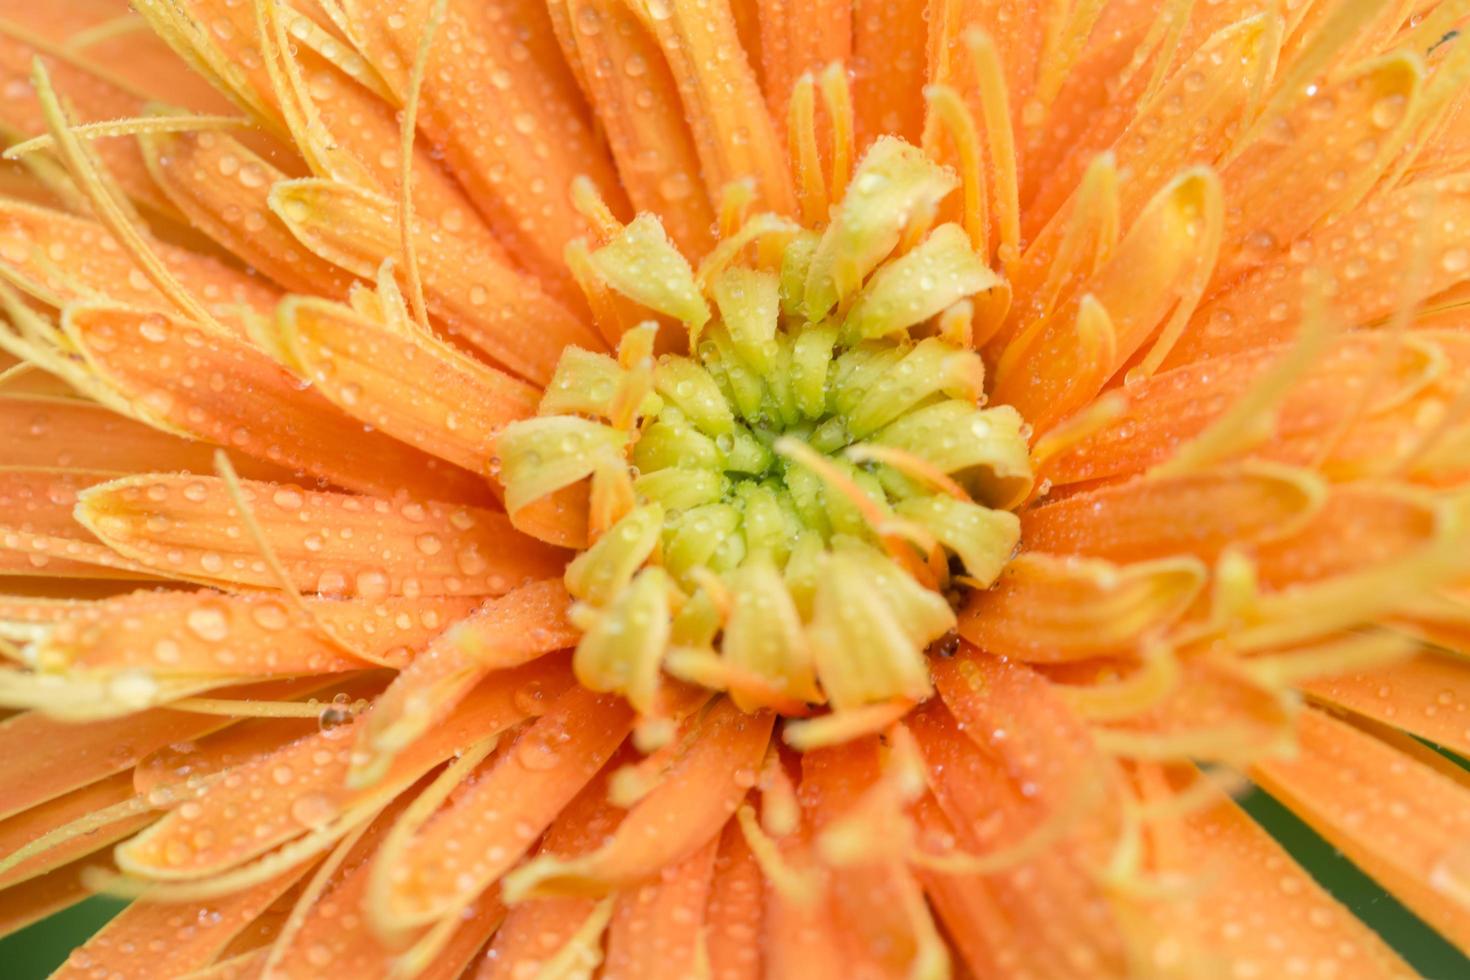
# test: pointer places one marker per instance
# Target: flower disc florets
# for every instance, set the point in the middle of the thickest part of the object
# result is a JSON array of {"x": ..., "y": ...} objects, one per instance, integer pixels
[{"x": 780, "y": 512}]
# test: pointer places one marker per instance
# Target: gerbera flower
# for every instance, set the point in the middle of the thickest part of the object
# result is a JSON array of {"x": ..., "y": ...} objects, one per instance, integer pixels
[{"x": 701, "y": 488}]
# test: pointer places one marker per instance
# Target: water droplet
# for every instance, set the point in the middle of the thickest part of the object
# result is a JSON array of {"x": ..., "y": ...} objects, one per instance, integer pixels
[
  {"x": 313, "y": 810},
  {"x": 208, "y": 623},
  {"x": 287, "y": 499}
]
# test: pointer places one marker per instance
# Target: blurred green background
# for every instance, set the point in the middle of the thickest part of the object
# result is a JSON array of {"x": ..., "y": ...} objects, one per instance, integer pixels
[{"x": 35, "y": 952}]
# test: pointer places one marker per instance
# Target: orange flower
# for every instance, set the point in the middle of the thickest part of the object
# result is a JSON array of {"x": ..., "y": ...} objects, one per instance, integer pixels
[{"x": 686, "y": 488}]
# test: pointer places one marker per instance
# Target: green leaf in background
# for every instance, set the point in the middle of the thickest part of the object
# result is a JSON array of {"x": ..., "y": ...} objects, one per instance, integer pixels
[{"x": 34, "y": 952}]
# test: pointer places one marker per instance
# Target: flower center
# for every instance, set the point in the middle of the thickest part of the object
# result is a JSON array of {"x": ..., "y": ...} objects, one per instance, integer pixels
[{"x": 785, "y": 512}]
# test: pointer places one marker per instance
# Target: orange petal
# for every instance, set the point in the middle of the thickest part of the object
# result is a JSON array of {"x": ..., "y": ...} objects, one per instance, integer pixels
[
  {"x": 1196, "y": 514},
  {"x": 28, "y": 825},
  {"x": 176, "y": 773},
  {"x": 538, "y": 930},
  {"x": 1255, "y": 907},
  {"x": 477, "y": 296},
  {"x": 1316, "y": 157},
  {"x": 1212, "y": 712},
  {"x": 733, "y": 132},
  {"x": 871, "y": 904},
  {"x": 336, "y": 935},
  {"x": 1047, "y": 916},
  {"x": 72, "y": 434},
  {"x": 1158, "y": 271},
  {"x": 34, "y": 900},
  {"x": 342, "y": 126},
  {"x": 1425, "y": 696},
  {"x": 993, "y": 935},
  {"x": 518, "y": 169},
  {"x": 328, "y": 542},
  {"x": 59, "y": 259},
  {"x": 1171, "y": 408},
  {"x": 228, "y": 392},
  {"x": 1358, "y": 528},
  {"x": 1363, "y": 254},
  {"x": 1014, "y": 26},
  {"x": 146, "y": 940},
  {"x": 657, "y": 928},
  {"x": 800, "y": 940},
  {"x": 136, "y": 58},
  {"x": 1190, "y": 120},
  {"x": 206, "y": 634},
  {"x": 1393, "y": 816},
  {"x": 735, "y": 911},
  {"x": 406, "y": 383},
  {"x": 798, "y": 37},
  {"x": 1047, "y": 608},
  {"x": 93, "y": 97},
  {"x": 302, "y": 787},
  {"x": 889, "y": 62},
  {"x": 1010, "y": 710},
  {"x": 638, "y": 107},
  {"x": 699, "y": 793},
  {"x": 222, "y": 188},
  {"x": 491, "y": 825},
  {"x": 39, "y": 536},
  {"x": 53, "y": 556},
  {"x": 507, "y": 632},
  {"x": 44, "y": 758}
]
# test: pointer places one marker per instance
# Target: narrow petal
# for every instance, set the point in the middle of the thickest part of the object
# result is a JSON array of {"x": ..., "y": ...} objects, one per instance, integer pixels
[
  {"x": 1254, "y": 905},
  {"x": 1363, "y": 254},
  {"x": 508, "y": 632},
  {"x": 34, "y": 900},
  {"x": 1196, "y": 514},
  {"x": 518, "y": 168},
  {"x": 542, "y": 931},
  {"x": 658, "y": 927},
  {"x": 59, "y": 259},
  {"x": 1297, "y": 171},
  {"x": 29, "y": 825},
  {"x": 228, "y": 392},
  {"x": 733, "y": 132},
  {"x": 1423, "y": 696},
  {"x": 1171, "y": 408},
  {"x": 145, "y": 940},
  {"x": 995, "y": 780},
  {"x": 498, "y": 309},
  {"x": 872, "y": 901},
  {"x": 1164, "y": 260},
  {"x": 800, "y": 37},
  {"x": 302, "y": 787},
  {"x": 336, "y": 935},
  {"x": 39, "y": 535},
  {"x": 697, "y": 796},
  {"x": 46, "y": 758},
  {"x": 93, "y": 97},
  {"x": 1192, "y": 119},
  {"x": 330, "y": 543},
  {"x": 67, "y": 433},
  {"x": 889, "y": 62},
  {"x": 497, "y": 819},
  {"x": 222, "y": 187},
  {"x": 735, "y": 911},
  {"x": 418, "y": 390},
  {"x": 1048, "y": 609},
  {"x": 1394, "y": 817},
  {"x": 213, "y": 634},
  {"x": 637, "y": 102}
]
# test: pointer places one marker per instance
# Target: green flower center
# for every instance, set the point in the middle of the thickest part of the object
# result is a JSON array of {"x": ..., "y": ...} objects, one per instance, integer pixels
[{"x": 783, "y": 512}]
